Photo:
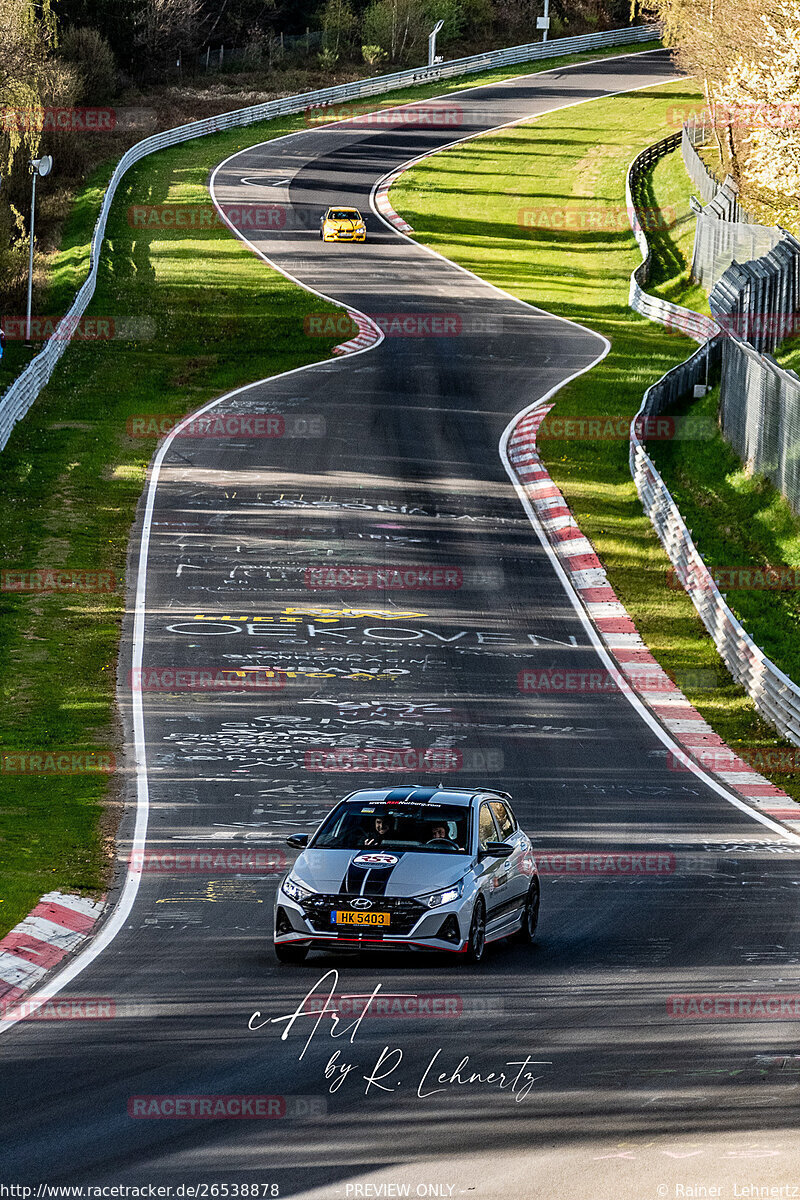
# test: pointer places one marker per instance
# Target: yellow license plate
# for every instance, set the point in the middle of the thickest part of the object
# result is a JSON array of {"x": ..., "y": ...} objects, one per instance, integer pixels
[{"x": 359, "y": 918}]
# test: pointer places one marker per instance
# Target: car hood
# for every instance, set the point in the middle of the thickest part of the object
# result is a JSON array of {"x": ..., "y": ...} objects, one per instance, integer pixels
[
  {"x": 344, "y": 223},
  {"x": 411, "y": 874}
]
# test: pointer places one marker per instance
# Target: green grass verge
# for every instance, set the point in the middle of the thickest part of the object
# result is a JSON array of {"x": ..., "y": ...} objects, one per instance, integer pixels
[
  {"x": 71, "y": 264},
  {"x": 787, "y": 354},
  {"x": 465, "y": 203},
  {"x": 71, "y": 476}
]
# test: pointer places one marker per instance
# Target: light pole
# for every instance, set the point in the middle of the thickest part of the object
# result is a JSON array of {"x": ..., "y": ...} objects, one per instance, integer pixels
[
  {"x": 39, "y": 166},
  {"x": 432, "y": 42},
  {"x": 543, "y": 23}
]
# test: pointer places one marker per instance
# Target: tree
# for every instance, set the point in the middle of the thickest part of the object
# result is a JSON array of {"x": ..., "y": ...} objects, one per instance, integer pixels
[
  {"x": 397, "y": 26},
  {"x": 761, "y": 89},
  {"x": 166, "y": 27},
  {"x": 747, "y": 55},
  {"x": 338, "y": 27},
  {"x": 27, "y": 31}
]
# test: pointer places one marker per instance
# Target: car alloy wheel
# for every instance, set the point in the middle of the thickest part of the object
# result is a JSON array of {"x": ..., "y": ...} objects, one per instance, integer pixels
[
  {"x": 477, "y": 932},
  {"x": 288, "y": 952},
  {"x": 530, "y": 917}
]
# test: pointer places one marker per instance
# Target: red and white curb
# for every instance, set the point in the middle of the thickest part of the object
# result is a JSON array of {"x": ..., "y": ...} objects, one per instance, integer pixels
[
  {"x": 646, "y": 678},
  {"x": 368, "y": 335},
  {"x": 58, "y": 926},
  {"x": 381, "y": 201}
]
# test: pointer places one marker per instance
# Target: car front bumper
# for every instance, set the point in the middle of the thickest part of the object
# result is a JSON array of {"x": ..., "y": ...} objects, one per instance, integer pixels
[
  {"x": 329, "y": 235},
  {"x": 444, "y": 928}
]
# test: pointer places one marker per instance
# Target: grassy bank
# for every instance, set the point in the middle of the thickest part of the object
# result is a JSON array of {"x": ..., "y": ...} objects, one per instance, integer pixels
[
  {"x": 465, "y": 203},
  {"x": 71, "y": 477},
  {"x": 58, "y": 275}
]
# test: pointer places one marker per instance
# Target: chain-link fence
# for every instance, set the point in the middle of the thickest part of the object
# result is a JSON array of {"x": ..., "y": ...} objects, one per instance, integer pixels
[
  {"x": 774, "y": 694},
  {"x": 752, "y": 274},
  {"x": 756, "y": 304},
  {"x": 721, "y": 239},
  {"x": 725, "y": 231}
]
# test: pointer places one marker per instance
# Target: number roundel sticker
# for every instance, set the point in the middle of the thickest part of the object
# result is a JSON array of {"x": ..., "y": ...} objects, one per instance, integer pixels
[{"x": 375, "y": 860}]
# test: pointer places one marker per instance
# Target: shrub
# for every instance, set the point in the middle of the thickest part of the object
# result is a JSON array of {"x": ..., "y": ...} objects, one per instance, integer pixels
[
  {"x": 92, "y": 57},
  {"x": 373, "y": 55}
]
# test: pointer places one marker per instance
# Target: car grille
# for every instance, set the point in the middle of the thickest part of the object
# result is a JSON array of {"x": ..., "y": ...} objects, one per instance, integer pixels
[{"x": 404, "y": 913}]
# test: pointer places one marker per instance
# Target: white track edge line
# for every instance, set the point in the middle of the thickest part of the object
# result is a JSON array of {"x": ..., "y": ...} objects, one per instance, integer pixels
[
  {"x": 641, "y": 710},
  {"x": 636, "y": 703}
]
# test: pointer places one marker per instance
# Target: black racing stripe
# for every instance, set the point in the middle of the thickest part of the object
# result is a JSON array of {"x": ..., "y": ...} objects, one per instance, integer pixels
[
  {"x": 378, "y": 879},
  {"x": 399, "y": 793},
  {"x": 424, "y": 793},
  {"x": 353, "y": 879}
]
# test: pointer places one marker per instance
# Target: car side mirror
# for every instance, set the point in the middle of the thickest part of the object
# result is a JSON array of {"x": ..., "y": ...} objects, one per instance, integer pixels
[
  {"x": 496, "y": 850},
  {"x": 298, "y": 841}
]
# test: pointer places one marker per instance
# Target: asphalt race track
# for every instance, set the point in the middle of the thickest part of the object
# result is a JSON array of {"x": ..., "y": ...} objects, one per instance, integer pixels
[{"x": 390, "y": 458}]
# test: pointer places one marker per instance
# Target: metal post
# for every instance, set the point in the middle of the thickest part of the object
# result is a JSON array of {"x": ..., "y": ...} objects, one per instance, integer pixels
[
  {"x": 432, "y": 42},
  {"x": 30, "y": 262},
  {"x": 547, "y": 19}
]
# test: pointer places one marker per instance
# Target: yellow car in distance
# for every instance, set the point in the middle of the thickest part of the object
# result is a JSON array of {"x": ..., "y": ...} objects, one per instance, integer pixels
[{"x": 342, "y": 225}]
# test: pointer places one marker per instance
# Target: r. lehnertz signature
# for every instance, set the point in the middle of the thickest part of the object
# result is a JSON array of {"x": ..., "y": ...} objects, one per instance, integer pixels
[{"x": 517, "y": 1076}]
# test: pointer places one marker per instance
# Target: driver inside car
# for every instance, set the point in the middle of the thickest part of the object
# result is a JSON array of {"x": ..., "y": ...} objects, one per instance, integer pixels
[{"x": 382, "y": 831}]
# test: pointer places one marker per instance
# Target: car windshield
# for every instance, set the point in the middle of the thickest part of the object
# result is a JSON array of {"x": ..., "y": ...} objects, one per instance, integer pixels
[
  {"x": 344, "y": 214},
  {"x": 397, "y": 825}
]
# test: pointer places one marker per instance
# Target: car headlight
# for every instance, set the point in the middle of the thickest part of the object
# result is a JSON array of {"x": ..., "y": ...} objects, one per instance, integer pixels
[
  {"x": 447, "y": 896},
  {"x": 294, "y": 890}
]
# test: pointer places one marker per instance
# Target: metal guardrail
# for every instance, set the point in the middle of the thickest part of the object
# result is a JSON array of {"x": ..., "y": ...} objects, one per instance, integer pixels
[
  {"x": 774, "y": 694},
  {"x": 22, "y": 393},
  {"x": 653, "y": 307}
]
